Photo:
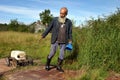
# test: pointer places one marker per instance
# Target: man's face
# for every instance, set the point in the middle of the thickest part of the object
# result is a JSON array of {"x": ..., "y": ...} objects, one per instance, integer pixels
[{"x": 63, "y": 13}]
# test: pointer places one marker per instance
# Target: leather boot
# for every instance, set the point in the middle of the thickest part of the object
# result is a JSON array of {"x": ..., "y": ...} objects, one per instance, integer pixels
[
  {"x": 47, "y": 67},
  {"x": 59, "y": 65}
]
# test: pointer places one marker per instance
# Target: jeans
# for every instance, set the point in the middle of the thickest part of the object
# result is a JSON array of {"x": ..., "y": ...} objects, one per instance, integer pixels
[{"x": 54, "y": 48}]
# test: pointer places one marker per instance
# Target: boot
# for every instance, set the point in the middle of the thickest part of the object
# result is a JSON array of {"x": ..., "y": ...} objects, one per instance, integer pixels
[
  {"x": 47, "y": 67},
  {"x": 59, "y": 66}
]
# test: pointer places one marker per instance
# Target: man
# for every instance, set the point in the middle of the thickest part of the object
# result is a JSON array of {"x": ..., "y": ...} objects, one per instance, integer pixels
[{"x": 61, "y": 29}]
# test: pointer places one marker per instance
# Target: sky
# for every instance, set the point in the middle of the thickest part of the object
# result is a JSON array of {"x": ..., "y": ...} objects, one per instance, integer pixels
[{"x": 27, "y": 11}]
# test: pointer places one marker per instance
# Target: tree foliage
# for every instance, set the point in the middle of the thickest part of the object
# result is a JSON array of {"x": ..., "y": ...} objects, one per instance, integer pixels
[
  {"x": 3, "y": 27},
  {"x": 46, "y": 16},
  {"x": 14, "y": 25}
]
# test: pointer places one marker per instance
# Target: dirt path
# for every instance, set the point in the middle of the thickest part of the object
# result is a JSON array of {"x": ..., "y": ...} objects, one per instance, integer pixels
[
  {"x": 33, "y": 73},
  {"x": 3, "y": 67},
  {"x": 39, "y": 73}
]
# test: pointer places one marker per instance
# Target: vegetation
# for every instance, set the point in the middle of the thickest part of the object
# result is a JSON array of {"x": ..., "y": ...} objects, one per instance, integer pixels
[
  {"x": 3, "y": 27},
  {"x": 17, "y": 26},
  {"x": 27, "y": 42},
  {"x": 99, "y": 43},
  {"x": 46, "y": 17},
  {"x": 96, "y": 46},
  {"x": 14, "y": 25}
]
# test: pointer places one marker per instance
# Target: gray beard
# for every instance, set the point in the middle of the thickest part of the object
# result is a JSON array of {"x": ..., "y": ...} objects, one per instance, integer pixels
[{"x": 62, "y": 20}]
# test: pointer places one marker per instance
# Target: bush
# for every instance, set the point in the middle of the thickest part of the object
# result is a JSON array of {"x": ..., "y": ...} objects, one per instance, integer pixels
[{"x": 97, "y": 43}]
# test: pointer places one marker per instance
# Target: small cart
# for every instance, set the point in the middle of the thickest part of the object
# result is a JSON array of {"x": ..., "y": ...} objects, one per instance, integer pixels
[{"x": 18, "y": 58}]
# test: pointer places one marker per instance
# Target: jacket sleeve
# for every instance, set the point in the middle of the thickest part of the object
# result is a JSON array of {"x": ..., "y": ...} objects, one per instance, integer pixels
[
  {"x": 49, "y": 28},
  {"x": 70, "y": 32}
]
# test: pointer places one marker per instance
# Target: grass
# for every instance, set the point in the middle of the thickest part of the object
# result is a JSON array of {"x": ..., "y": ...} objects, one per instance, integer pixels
[{"x": 24, "y": 41}]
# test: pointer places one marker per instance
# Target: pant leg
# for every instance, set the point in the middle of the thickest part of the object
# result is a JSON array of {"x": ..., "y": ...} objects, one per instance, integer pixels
[
  {"x": 62, "y": 51},
  {"x": 53, "y": 50}
]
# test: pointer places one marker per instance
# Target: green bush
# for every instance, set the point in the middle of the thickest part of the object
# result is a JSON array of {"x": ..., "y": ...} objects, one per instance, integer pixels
[{"x": 97, "y": 43}]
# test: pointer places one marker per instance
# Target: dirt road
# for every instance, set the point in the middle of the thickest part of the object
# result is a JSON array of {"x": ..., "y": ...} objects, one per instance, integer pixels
[
  {"x": 39, "y": 73},
  {"x": 34, "y": 73}
]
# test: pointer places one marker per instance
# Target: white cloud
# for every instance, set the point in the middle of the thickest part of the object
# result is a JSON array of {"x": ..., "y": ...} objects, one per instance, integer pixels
[
  {"x": 4, "y": 21},
  {"x": 20, "y": 11},
  {"x": 57, "y": 3}
]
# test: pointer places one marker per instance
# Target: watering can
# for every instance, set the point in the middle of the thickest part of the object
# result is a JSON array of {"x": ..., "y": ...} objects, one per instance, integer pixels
[{"x": 69, "y": 46}]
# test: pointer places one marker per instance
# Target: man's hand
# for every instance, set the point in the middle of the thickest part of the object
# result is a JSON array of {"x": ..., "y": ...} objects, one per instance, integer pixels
[{"x": 70, "y": 42}]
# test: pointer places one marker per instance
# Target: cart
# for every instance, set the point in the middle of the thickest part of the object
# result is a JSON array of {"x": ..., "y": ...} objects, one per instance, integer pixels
[{"x": 18, "y": 58}]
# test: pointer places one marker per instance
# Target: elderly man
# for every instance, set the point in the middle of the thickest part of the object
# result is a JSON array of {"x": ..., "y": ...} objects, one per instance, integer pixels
[{"x": 61, "y": 29}]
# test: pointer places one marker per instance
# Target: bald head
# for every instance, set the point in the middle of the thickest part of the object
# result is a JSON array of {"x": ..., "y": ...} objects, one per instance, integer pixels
[{"x": 63, "y": 12}]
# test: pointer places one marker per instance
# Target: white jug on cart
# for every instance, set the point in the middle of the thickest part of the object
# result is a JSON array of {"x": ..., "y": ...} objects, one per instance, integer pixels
[{"x": 18, "y": 55}]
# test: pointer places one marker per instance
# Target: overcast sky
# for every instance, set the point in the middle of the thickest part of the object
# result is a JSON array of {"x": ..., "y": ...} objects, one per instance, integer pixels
[{"x": 27, "y": 11}]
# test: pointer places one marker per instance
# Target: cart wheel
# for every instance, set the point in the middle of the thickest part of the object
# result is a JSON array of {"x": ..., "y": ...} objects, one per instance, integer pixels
[
  {"x": 14, "y": 63},
  {"x": 30, "y": 60},
  {"x": 7, "y": 61}
]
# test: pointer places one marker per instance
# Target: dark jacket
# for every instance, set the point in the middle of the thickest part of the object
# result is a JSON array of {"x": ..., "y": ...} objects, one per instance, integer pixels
[{"x": 54, "y": 28}]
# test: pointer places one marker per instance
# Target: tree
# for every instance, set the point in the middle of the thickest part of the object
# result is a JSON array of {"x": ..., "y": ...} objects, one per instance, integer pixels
[
  {"x": 46, "y": 16},
  {"x": 13, "y": 25},
  {"x": 3, "y": 27}
]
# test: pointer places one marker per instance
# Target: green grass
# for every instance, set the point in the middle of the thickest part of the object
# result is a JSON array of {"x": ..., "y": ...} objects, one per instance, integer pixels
[
  {"x": 97, "y": 44},
  {"x": 24, "y": 41}
]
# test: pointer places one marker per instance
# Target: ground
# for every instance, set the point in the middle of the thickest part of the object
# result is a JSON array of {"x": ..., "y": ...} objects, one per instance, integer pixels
[{"x": 39, "y": 73}]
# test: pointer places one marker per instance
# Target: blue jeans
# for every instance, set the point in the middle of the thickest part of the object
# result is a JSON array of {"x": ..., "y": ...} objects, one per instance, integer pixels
[{"x": 54, "y": 48}]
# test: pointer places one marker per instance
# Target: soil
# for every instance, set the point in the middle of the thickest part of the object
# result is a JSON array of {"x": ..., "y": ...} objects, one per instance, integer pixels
[{"x": 39, "y": 73}]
